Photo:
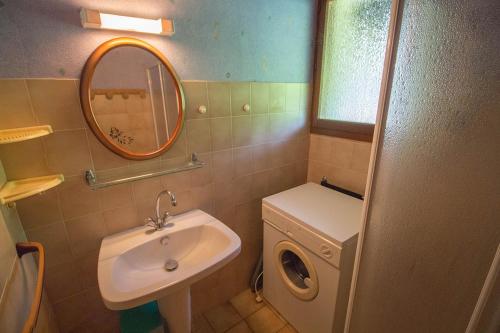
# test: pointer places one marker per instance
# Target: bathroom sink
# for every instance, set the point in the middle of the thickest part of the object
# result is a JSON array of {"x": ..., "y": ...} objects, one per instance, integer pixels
[{"x": 141, "y": 265}]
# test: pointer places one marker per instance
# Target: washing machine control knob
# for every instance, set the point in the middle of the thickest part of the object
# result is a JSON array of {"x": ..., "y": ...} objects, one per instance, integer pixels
[{"x": 326, "y": 251}]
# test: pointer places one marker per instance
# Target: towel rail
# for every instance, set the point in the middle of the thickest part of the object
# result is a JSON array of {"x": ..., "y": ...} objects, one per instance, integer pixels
[
  {"x": 324, "y": 182},
  {"x": 27, "y": 247}
]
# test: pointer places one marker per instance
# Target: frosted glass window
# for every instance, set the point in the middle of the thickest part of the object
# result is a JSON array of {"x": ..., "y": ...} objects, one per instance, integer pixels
[{"x": 355, "y": 35}]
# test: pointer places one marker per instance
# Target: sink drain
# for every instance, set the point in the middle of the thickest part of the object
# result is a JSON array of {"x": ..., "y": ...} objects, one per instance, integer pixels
[{"x": 171, "y": 265}]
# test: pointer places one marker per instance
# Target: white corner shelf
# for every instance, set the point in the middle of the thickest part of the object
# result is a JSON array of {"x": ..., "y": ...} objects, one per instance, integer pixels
[
  {"x": 15, "y": 190},
  {"x": 23, "y": 133}
]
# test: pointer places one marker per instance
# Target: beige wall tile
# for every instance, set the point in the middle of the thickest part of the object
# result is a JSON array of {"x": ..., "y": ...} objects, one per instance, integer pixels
[
  {"x": 87, "y": 267},
  {"x": 292, "y": 100},
  {"x": 281, "y": 179},
  {"x": 76, "y": 198},
  {"x": 39, "y": 210},
  {"x": 221, "y": 133},
  {"x": 71, "y": 312},
  {"x": 279, "y": 155},
  {"x": 278, "y": 125},
  {"x": 15, "y": 105},
  {"x": 260, "y": 184},
  {"x": 219, "y": 99},
  {"x": 56, "y": 103},
  {"x": 342, "y": 153},
  {"x": 262, "y": 156},
  {"x": 198, "y": 135},
  {"x": 260, "y": 97},
  {"x": 68, "y": 152},
  {"x": 305, "y": 97},
  {"x": 242, "y": 189},
  {"x": 96, "y": 305},
  {"x": 105, "y": 322},
  {"x": 224, "y": 199},
  {"x": 320, "y": 148},
  {"x": 24, "y": 159},
  {"x": 361, "y": 156},
  {"x": 85, "y": 233},
  {"x": 55, "y": 240},
  {"x": 115, "y": 196},
  {"x": 179, "y": 181},
  {"x": 147, "y": 189},
  {"x": 185, "y": 202},
  {"x": 265, "y": 161},
  {"x": 203, "y": 198},
  {"x": 145, "y": 209},
  {"x": 243, "y": 161},
  {"x": 224, "y": 210},
  {"x": 196, "y": 95},
  {"x": 300, "y": 172},
  {"x": 62, "y": 281},
  {"x": 242, "y": 131},
  {"x": 204, "y": 295},
  {"x": 348, "y": 178},
  {"x": 316, "y": 171},
  {"x": 260, "y": 128},
  {"x": 277, "y": 94},
  {"x": 202, "y": 176},
  {"x": 222, "y": 162},
  {"x": 120, "y": 219},
  {"x": 344, "y": 162},
  {"x": 240, "y": 95}
]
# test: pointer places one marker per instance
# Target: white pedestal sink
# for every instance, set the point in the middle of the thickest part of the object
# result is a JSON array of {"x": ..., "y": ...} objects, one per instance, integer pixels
[{"x": 132, "y": 264}]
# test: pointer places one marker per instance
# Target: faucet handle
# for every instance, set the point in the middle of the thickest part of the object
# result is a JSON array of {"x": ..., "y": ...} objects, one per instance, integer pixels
[{"x": 149, "y": 221}]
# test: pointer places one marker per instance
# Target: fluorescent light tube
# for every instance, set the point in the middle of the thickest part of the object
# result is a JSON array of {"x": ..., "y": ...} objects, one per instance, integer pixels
[{"x": 94, "y": 19}]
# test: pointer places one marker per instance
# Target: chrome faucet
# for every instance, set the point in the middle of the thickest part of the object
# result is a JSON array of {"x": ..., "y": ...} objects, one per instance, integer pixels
[{"x": 158, "y": 222}]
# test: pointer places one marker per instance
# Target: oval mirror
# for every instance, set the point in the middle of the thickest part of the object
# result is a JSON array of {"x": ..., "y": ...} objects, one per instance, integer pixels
[{"x": 132, "y": 98}]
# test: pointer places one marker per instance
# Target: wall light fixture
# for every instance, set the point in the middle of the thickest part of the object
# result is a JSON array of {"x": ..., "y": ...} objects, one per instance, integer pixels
[{"x": 94, "y": 19}]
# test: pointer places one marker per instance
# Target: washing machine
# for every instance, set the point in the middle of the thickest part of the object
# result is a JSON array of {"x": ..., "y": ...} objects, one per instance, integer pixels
[{"x": 310, "y": 236}]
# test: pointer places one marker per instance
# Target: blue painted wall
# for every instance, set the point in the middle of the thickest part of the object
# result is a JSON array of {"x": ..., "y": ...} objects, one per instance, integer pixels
[{"x": 236, "y": 40}]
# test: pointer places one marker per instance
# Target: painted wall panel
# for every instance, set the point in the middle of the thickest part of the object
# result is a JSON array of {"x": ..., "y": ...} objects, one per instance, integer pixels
[{"x": 240, "y": 40}]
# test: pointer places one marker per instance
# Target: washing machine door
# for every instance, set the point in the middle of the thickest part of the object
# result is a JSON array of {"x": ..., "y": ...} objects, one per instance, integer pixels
[{"x": 296, "y": 270}]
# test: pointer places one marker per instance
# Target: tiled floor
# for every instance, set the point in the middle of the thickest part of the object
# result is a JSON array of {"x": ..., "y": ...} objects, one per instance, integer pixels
[{"x": 242, "y": 314}]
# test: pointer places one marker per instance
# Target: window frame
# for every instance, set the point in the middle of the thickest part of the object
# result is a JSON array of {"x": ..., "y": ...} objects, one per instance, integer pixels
[{"x": 337, "y": 128}]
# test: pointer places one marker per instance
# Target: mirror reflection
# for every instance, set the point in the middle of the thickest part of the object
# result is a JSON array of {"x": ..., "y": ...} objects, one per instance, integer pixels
[{"x": 134, "y": 99}]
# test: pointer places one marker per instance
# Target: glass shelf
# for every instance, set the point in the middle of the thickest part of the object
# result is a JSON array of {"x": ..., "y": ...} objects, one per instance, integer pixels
[
  {"x": 143, "y": 170},
  {"x": 19, "y": 189},
  {"x": 23, "y": 133}
]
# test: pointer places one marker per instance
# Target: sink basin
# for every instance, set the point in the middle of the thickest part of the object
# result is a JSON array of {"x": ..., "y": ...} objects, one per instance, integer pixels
[{"x": 132, "y": 264}]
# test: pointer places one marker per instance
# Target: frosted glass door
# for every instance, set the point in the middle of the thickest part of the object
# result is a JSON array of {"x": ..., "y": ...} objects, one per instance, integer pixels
[{"x": 433, "y": 223}]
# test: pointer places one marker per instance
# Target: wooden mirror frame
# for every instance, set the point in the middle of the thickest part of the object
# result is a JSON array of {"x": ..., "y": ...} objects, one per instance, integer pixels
[{"x": 85, "y": 96}]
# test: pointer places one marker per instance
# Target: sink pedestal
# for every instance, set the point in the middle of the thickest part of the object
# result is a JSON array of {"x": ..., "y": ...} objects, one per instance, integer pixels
[{"x": 176, "y": 310}]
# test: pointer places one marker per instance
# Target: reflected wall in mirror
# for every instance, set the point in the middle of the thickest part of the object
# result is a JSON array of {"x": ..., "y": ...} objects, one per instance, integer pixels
[{"x": 132, "y": 98}]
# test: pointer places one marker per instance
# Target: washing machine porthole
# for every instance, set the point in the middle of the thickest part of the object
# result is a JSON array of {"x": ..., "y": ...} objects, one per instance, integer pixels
[{"x": 296, "y": 270}]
